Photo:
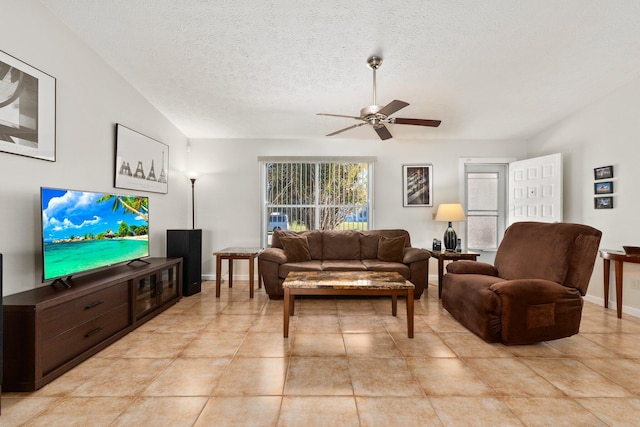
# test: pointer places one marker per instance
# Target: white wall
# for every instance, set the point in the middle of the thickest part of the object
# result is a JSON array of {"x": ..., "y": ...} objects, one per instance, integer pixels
[
  {"x": 91, "y": 98},
  {"x": 228, "y": 194},
  {"x": 606, "y": 133}
]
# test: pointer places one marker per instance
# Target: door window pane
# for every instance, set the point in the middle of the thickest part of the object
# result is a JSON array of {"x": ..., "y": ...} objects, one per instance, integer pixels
[
  {"x": 482, "y": 191},
  {"x": 482, "y": 232}
]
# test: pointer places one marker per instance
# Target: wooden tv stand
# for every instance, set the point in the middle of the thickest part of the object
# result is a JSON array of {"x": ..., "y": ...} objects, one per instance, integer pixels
[{"x": 49, "y": 330}]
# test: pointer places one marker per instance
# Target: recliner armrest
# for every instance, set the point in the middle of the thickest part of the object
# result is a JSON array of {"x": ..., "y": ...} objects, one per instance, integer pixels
[
  {"x": 472, "y": 267},
  {"x": 414, "y": 254},
  {"x": 276, "y": 255}
]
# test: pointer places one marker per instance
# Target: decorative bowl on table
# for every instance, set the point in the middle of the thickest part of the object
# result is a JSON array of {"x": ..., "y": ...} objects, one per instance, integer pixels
[{"x": 632, "y": 250}]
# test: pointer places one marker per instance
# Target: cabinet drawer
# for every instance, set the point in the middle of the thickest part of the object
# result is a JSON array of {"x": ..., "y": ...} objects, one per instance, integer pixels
[
  {"x": 64, "y": 347},
  {"x": 65, "y": 316}
]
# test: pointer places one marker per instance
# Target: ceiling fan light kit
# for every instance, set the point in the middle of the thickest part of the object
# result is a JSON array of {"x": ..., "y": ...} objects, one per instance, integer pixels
[{"x": 377, "y": 115}]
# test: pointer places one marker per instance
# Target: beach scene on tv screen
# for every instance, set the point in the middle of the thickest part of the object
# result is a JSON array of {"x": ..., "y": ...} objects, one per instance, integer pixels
[{"x": 87, "y": 230}]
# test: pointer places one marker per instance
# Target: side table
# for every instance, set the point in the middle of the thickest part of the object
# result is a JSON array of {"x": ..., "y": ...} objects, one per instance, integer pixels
[
  {"x": 450, "y": 256},
  {"x": 234, "y": 253},
  {"x": 619, "y": 258}
]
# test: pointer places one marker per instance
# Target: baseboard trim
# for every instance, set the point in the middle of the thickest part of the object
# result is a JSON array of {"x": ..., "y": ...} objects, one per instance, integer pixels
[{"x": 631, "y": 311}]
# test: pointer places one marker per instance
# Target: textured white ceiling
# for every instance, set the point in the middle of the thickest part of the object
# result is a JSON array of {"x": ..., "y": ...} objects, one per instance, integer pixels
[{"x": 493, "y": 69}]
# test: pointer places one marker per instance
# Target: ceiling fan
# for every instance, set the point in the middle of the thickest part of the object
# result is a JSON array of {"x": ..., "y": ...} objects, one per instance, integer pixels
[{"x": 378, "y": 115}]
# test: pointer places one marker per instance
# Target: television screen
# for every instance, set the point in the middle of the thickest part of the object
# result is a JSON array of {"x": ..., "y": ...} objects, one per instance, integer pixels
[{"x": 84, "y": 230}]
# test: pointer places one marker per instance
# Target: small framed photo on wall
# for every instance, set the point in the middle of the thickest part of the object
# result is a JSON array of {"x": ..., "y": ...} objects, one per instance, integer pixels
[
  {"x": 417, "y": 184},
  {"x": 604, "y": 187},
  {"x": 604, "y": 172},
  {"x": 603, "y": 202}
]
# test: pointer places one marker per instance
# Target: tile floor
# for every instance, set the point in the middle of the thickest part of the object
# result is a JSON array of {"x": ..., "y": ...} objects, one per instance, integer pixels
[{"x": 347, "y": 362}]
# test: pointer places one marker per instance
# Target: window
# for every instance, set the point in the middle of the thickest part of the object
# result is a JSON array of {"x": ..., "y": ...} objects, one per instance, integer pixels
[{"x": 316, "y": 194}]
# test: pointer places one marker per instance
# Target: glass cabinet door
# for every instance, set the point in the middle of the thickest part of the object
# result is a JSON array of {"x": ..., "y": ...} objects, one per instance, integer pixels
[
  {"x": 168, "y": 283},
  {"x": 146, "y": 296}
]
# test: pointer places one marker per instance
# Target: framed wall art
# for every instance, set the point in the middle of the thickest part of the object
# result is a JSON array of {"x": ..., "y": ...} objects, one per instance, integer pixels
[
  {"x": 603, "y": 202},
  {"x": 604, "y": 172},
  {"x": 417, "y": 184},
  {"x": 141, "y": 162},
  {"x": 604, "y": 187},
  {"x": 27, "y": 110}
]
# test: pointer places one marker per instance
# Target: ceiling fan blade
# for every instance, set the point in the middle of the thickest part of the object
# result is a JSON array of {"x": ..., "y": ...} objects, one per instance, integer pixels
[
  {"x": 338, "y": 115},
  {"x": 382, "y": 132},
  {"x": 392, "y": 107},
  {"x": 417, "y": 122},
  {"x": 347, "y": 128}
]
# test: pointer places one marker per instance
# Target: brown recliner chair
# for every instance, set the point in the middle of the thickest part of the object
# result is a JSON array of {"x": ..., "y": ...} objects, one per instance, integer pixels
[{"x": 534, "y": 290}]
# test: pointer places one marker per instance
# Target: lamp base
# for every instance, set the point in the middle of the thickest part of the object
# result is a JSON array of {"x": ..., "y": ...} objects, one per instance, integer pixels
[{"x": 450, "y": 239}]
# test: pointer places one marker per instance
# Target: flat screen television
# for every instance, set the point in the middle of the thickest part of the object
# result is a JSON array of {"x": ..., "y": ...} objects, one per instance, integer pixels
[{"x": 84, "y": 230}]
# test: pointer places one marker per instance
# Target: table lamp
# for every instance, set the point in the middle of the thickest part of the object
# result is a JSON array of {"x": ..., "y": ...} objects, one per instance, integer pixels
[{"x": 450, "y": 212}]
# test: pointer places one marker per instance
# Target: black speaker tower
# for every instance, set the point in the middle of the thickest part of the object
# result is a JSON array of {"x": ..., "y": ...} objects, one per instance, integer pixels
[{"x": 188, "y": 245}]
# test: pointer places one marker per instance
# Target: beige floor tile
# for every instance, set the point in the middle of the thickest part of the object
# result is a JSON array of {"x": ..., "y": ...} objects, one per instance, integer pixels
[
  {"x": 252, "y": 307},
  {"x": 264, "y": 344},
  {"x": 317, "y": 323},
  {"x": 231, "y": 323},
  {"x": 315, "y": 306},
  {"x": 399, "y": 323},
  {"x": 161, "y": 345},
  {"x": 546, "y": 411},
  {"x": 82, "y": 411},
  {"x": 396, "y": 411},
  {"x": 442, "y": 322},
  {"x": 542, "y": 349},
  {"x": 474, "y": 411},
  {"x": 318, "y": 411},
  {"x": 580, "y": 346},
  {"x": 422, "y": 345},
  {"x": 188, "y": 377},
  {"x": 185, "y": 323},
  {"x": 162, "y": 411},
  {"x": 318, "y": 376},
  {"x": 73, "y": 379},
  {"x": 614, "y": 412},
  {"x": 383, "y": 377},
  {"x": 448, "y": 377},
  {"x": 575, "y": 379},
  {"x": 470, "y": 345},
  {"x": 371, "y": 345},
  {"x": 249, "y": 411},
  {"x": 126, "y": 377},
  {"x": 214, "y": 344},
  {"x": 510, "y": 377},
  {"x": 623, "y": 372},
  {"x": 623, "y": 345},
  {"x": 361, "y": 324},
  {"x": 260, "y": 376},
  {"x": 18, "y": 410},
  {"x": 317, "y": 345},
  {"x": 273, "y": 323},
  {"x": 357, "y": 307}
]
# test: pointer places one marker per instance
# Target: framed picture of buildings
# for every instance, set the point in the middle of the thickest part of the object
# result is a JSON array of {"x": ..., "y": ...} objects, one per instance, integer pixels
[
  {"x": 27, "y": 110},
  {"x": 417, "y": 185},
  {"x": 141, "y": 162}
]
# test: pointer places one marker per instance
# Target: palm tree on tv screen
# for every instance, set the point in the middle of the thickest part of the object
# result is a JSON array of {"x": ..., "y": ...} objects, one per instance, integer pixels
[{"x": 133, "y": 205}]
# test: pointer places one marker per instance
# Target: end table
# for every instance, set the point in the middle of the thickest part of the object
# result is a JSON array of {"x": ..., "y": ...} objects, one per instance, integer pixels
[
  {"x": 237, "y": 253},
  {"x": 450, "y": 256}
]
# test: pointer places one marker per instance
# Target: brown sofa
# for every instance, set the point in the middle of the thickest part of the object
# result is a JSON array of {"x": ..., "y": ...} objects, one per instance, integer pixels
[
  {"x": 348, "y": 250},
  {"x": 534, "y": 290}
]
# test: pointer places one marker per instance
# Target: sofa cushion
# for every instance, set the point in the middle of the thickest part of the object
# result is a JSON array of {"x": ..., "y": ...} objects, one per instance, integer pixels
[
  {"x": 369, "y": 245},
  {"x": 344, "y": 245},
  {"x": 296, "y": 248},
  {"x": 314, "y": 238},
  {"x": 391, "y": 249},
  {"x": 299, "y": 266},
  {"x": 343, "y": 265},
  {"x": 377, "y": 265}
]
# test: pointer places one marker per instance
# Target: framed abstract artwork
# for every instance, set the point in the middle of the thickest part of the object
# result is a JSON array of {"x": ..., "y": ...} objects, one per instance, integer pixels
[
  {"x": 27, "y": 110},
  {"x": 142, "y": 163},
  {"x": 417, "y": 185}
]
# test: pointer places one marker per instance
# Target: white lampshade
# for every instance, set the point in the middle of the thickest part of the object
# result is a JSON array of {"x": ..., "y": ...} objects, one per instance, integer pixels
[{"x": 450, "y": 212}]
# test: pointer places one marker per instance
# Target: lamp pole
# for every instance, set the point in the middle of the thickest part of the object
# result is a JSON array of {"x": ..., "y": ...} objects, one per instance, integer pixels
[{"x": 193, "y": 203}]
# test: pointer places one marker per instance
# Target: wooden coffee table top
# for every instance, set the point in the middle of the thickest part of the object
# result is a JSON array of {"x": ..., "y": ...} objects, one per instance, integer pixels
[{"x": 346, "y": 280}]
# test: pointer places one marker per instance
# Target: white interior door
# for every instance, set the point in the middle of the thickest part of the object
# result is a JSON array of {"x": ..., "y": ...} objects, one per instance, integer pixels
[{"x": 535, "y": 189}]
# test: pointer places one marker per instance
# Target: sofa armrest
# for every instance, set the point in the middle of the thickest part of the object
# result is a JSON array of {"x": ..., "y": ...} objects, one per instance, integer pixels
[
  {"x": 414, "y": 254},
  {"x": 472, "y": 267},
  {"x": 276, "y": 255},
  {"x": 535, "y": 310}
]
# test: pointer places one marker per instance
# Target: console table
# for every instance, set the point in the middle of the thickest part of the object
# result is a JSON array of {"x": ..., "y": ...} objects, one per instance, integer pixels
[
  {"x": 51, "y": 329},
  {"x": 443, "y": 256},
  {"x": 231, "y": 254},
  {"x": 619, "y": 258}
]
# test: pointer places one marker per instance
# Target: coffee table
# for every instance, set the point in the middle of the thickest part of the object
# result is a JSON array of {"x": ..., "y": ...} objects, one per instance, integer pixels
[
  {"x": 371, "y": 283},
  {"x": 232, "y": 254}
]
